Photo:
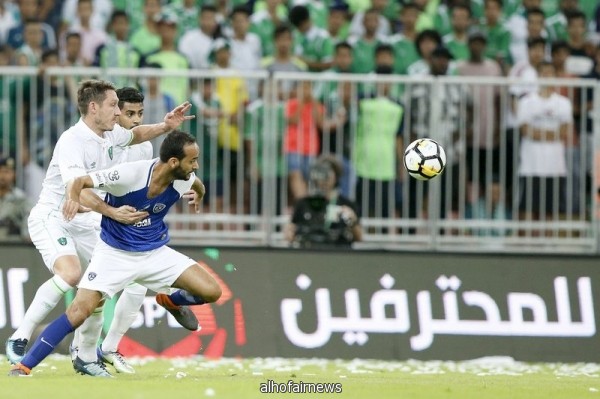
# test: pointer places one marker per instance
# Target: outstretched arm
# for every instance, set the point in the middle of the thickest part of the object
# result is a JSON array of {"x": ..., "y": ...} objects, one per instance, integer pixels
[{"x": 171, "y": 122}]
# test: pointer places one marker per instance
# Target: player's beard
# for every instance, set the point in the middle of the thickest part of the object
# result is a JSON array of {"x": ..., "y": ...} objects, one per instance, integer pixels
[{"x": 180, "y": 174}]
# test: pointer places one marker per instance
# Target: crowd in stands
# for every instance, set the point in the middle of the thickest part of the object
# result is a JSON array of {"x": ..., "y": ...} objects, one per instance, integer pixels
[{"x": 489, "y": 38}]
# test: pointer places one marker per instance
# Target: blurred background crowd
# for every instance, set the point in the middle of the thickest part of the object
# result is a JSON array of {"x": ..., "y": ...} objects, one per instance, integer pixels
[{"x": 512, "y": 156}]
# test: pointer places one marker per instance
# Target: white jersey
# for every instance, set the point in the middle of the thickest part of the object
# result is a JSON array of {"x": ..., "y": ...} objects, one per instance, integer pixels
[
  {"x": 78, "y": 152},
  {"x": 136, "y": 152},
  {"x": 543, "y": 158}
]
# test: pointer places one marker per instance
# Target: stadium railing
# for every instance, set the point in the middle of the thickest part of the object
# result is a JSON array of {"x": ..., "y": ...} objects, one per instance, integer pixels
[{"x": 473, "y": 206}]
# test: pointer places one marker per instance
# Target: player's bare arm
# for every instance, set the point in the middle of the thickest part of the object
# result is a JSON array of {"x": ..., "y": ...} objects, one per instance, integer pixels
[
  {"x": 73, "y": 192},
  {"x": 196, "y": 194},
  {"x": 171, "y": 122},
  {"x": 124, "y": 214}
]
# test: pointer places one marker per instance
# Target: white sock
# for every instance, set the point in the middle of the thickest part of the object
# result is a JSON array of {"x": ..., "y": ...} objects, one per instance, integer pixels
[
  {"x": 126, "y": 311},
  {"x": 76, "y": 335},
  {"x": 46, "y": 298},
  {"x": 90, "y": 334}
]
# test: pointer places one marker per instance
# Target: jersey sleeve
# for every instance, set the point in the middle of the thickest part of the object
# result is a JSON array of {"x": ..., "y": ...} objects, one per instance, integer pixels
[
  {"x": 120, "y": 136},
  {"x": 120, "y": 179},
  {"x": 184, "y": 185},
  {"x": 70, "y": 159}
]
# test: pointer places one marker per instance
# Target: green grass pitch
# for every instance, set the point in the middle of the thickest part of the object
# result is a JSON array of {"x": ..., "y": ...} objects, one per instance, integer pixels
[{"x": 198, "y": 378}]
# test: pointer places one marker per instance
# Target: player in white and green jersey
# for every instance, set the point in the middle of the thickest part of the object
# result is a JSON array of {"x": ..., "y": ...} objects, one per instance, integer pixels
[{"x": 89, "y": 145}]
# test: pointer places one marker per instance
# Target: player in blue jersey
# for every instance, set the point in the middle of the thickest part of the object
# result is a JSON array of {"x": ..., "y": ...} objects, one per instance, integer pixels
[{"x": 135, "y": 252}]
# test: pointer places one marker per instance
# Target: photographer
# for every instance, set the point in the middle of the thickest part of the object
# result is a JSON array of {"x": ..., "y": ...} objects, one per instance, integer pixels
[{"x": 324, "y": 219}]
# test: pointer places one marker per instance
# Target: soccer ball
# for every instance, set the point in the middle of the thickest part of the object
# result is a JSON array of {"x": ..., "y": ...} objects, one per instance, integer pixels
[{"x": 424, "y": 159}]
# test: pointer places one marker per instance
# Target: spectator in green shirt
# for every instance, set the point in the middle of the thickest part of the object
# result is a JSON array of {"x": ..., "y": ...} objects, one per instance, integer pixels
[
  {"x": 146, "y": 39},
  {"x": 187, "y": 11},
  {"x": 170, "y": 59},
  {"x": 404, "y": 42},
  {"x": 337, "y": 23},
  {"x": 263, "y": 141},
  {"x": 263, "y": 23},
  {"x": 117, "y": 52},
  {"x": 456, "y": 41},
  {"x": 377, "y": 150},
  {"x": 364, "y": 46},
  {"x": 207, "y": 108},
  {"x": 312, "y": 44},
  {"x": 498, "y": 38},
  {"x": 557, "y": 23}
]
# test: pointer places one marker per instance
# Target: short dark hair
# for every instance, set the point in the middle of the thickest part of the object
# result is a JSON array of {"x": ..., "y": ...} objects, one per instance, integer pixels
[
  {"x": 240, "y": 9},
  {"x": 280, "y": 30},
  {"x": 129, "y": 95},
  {"x": 172, "y": 146},
  {"x": 342, "y": 45},
  {"x": 464, "y": 6},
  {"x": 384, "y": 48},
  {"x": 576, "y": 14},
  {"x": 118, "y": 14},
  {"x": 427, "y": 34},
  {"x": 559, "y": 45},
  {"x": 49, "y": 53},
  {"x": 92, "y": 90},
  {"x": 207, "y": 8},
  {"x": 536, "y": 41},
  {"x": 499, "y": 2},
  {"x": 73, "y": 34},
  {"x": 298, "y": 15},
  {"x": 535, "y": 11}
]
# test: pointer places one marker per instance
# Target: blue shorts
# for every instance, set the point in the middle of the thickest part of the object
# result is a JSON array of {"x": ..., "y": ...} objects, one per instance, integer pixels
[{"x": 299, "y": 162}]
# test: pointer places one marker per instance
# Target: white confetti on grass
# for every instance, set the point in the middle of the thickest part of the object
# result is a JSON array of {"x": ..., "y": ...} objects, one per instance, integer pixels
[{"x": 485, "y": 366}]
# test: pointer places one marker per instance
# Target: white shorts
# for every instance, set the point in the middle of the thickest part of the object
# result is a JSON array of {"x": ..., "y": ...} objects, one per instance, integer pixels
[
  {"x": 112, "y": 269},
  {"x": 54, "y": 237}
]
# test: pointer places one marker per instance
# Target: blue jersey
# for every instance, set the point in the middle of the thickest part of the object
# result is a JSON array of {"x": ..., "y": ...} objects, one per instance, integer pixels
[{"x": 127, "y": 184}]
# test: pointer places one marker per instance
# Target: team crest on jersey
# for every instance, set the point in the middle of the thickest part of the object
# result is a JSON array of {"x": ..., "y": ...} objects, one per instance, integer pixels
[
  {"x": 91, "y": 276},
  {"x": 114, "y": 176},
  {"x": 62, "y": 241},
  {"x": 110, "y": 152},
  {"x": 158, "y": 208}
]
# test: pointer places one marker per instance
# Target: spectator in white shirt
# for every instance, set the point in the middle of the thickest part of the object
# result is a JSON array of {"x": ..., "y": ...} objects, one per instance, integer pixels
[
  {"x": 545, "y": 120},
  {"x": 197, "y": 44},
  {"x": 91, "y": 37}
]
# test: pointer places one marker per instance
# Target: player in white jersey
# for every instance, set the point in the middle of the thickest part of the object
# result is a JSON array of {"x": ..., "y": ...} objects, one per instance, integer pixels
[
  {"x": 135, "y": 252},
  {"x": 91, "y": 144},
  {"x": 131, "y": 104}
]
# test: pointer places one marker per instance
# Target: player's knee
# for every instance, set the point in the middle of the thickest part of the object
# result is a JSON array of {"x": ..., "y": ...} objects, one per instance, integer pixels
[
  {"x": 71, "y": 277},
  {"x": 135, "y": 290},
  {"x": 68, "y": 271},
  {"x": 213, "y": 293},
  {"x": 78, "y": 312}
]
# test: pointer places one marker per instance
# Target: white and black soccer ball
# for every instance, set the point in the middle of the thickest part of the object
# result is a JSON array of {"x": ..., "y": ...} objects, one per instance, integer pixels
[{"x": 424, "y": 159}]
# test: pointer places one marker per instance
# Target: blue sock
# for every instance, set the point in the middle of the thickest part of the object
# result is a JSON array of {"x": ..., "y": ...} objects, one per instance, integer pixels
[
  {"x": 182, "y": 297},
  {"x": 47, "y": 341}
]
